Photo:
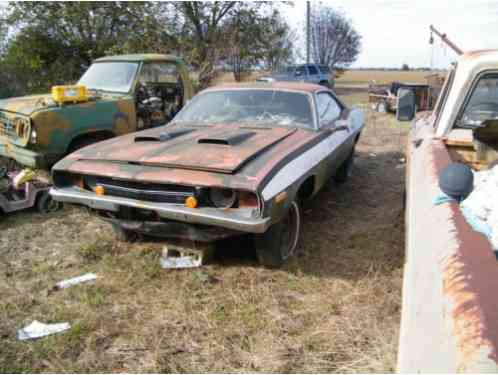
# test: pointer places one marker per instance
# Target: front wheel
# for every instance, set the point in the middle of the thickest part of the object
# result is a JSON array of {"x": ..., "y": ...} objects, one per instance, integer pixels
[
  {"x": 45, "y": 204},
  {"x": 124, "y": 235},
  {"x": 280, "y": 241}
]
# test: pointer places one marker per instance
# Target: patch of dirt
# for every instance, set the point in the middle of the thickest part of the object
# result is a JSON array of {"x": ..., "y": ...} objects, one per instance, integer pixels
[{"x": 335, "y": 308}]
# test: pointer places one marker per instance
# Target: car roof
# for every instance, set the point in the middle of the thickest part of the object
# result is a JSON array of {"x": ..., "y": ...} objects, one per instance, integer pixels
[
  {"x": 277, "y": 85},
  {"x": 137, "y": 57}
]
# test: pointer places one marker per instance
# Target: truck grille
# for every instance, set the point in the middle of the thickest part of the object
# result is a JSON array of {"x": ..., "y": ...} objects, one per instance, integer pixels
[
  {"x": 7, "y": 127},
  {"x": 148, "y": 192}
]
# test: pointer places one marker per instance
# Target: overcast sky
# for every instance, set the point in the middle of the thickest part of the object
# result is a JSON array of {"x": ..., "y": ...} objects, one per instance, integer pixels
[{"x": 397, "y": 31}]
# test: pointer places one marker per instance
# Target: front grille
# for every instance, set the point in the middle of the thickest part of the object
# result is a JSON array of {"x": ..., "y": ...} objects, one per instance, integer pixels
[
  {"x": 7, "y": 127},
  {"x": 148, "y": 192}
]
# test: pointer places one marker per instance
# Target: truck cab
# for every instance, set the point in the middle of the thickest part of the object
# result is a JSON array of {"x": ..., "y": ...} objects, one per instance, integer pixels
[
  {"x": 115, "y": 96},
  {"x": 449, "y": 314}
]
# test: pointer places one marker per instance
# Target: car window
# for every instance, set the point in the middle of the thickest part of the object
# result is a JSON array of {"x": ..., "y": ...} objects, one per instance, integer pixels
[
  {"x": 159, "y": 73},
  {"x": 328, "y": 108},
  {"x": 312, "y": 70},
  {"x": 301, "y": 71},
  {"x": 324, "y": 69},
  {"x": 249, "y": 106},
  {"x": 482, "y": 104}
]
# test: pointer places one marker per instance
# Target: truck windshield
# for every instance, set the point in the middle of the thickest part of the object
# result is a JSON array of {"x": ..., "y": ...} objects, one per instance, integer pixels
[
  {"x": 249, "y": 106},
  {"x": 110, "y": 76},
  {"x": 483, "y": 103}
]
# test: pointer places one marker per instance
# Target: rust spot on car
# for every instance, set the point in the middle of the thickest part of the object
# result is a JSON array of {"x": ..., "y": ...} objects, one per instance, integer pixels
[{"x": 470, "y": 280}]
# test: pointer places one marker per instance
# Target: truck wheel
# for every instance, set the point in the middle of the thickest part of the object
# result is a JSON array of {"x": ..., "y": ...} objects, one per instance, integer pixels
[
  {"x": 346, "y": 169},
  {"x": 45, "y": 204},
  {"x": 382, "y": 107},
  {"x": 325, "y": 83},
  {"x": 124, "y": 235},
  {"x": 80, "y": 143},
  {"x": 279, "y": 242}
]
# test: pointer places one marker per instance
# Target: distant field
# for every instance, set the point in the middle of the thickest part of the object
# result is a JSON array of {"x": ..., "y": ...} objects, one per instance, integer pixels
[{"x": 381, "y": 76}]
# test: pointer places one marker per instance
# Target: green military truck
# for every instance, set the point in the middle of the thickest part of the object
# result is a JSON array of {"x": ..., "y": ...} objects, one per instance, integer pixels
[{"x": 116, "y": 95}]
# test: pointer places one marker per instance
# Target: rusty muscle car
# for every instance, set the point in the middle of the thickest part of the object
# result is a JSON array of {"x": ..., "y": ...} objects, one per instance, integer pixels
[
  {"x": 449, "y": 317},
  {"x": 236, "y": 159}
]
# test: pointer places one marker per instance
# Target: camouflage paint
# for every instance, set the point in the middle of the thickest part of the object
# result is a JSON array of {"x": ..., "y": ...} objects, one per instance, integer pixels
[{"x": 57, "y": 126}]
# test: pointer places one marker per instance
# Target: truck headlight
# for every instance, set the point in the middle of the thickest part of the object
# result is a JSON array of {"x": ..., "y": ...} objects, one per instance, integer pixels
[
  {"x": 22, "y": 127},
  {"x": 222, "y": 198}
]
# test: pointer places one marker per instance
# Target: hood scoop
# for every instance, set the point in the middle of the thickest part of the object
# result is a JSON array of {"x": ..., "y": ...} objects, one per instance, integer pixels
[
  {"x": 163, "y": 136},
  {"x": 227, "y": 138}
]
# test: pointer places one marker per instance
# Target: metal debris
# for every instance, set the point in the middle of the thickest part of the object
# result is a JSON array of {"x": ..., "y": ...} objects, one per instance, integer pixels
[
  {"x": 76, "y": 280},
  {"x": 36, "y": 330}
]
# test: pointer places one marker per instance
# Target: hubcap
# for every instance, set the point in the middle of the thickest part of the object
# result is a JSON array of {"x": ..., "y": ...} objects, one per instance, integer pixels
[{"x": 290, "y": 231}]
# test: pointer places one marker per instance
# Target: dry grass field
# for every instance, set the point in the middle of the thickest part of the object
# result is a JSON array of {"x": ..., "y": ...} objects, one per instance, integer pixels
[
  {"x": 334, "y": 308},
  {"x": 362, "y": 77}
]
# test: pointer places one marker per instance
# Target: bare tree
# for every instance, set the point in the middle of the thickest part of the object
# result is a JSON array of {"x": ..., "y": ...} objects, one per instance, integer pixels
[{"x": 335, "y": 42}]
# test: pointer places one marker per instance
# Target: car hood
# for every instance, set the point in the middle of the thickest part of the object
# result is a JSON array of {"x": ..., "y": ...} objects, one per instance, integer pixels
[
  {"x": 220, "y": 148},
  {"x": 26, "y": 105}
]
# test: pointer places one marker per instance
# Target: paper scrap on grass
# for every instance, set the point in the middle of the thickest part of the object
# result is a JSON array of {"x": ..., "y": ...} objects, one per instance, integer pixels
[
  {"x": 76, "y": 280},
  {"x": 181, "y": 262},
  {"x": 36, "y": 330}
]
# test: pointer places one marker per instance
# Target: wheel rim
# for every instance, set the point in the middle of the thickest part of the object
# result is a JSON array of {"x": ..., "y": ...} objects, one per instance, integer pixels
[
  {"x": 51, "y": 205},
  {"x": 290, "y": 231}
]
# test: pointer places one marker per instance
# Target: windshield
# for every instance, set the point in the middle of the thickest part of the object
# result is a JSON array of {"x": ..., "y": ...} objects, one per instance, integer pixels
[
  {"x": 254, "y": 107},
  {"x": 483, "y": 103},
  {"x": 110, "y": 76}
]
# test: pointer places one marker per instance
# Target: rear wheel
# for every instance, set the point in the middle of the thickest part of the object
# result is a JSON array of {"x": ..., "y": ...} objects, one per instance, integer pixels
[
  {"x": 325, "y": 83},
  {"x": 280, "y": 241},
  {"x": 346, "y": 169}
]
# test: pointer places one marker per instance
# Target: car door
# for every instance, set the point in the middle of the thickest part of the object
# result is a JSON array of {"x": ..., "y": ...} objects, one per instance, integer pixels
[{"x": 329, "y": 120}]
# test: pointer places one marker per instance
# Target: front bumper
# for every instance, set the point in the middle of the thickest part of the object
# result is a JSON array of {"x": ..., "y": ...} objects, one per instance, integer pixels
[
  {"x": 235, "y": 219},
  {"x": 22, "y": 155}
]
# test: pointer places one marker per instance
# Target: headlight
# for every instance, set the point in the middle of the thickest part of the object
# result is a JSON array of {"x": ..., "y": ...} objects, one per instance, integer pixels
[
  {"x": 22, "y": 127},
  {"x": 222, "y": 198}
]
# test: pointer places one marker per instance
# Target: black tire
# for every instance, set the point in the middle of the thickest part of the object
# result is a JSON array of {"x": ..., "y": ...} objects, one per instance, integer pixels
[
  {"x": 280, "y": 241},
  {"x": 325, "y": 83},
  {"x": 124, "y": 235},
  {"x": 346, "y": 169},
  {"x": 81, "y": 142},
  {"x": 46, "y": 205}
]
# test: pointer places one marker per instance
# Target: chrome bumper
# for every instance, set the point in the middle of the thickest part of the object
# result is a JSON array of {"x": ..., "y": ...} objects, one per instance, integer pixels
[{"x": 232, "y": 219}]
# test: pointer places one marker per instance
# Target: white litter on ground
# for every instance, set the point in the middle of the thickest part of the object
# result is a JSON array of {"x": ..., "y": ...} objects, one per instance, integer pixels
[
  {"x": 36, "y": 330},
  {"x": 188, "y": 261},
  {"x": 76, "y": 280},
  {"x": 482, "y": 202}
]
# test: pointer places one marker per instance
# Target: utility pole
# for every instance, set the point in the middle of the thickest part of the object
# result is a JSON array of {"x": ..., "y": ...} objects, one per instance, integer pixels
[{"x": 308, "y": 32}]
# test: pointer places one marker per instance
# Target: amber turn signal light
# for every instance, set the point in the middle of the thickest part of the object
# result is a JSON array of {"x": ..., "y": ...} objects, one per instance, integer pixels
[
  {"x": 99, "y": 190},
  {"x": 191, "y": 202}
]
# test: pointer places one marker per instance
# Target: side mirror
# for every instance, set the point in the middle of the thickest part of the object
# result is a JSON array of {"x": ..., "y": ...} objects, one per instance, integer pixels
[{"x": 406, "y": 105}]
